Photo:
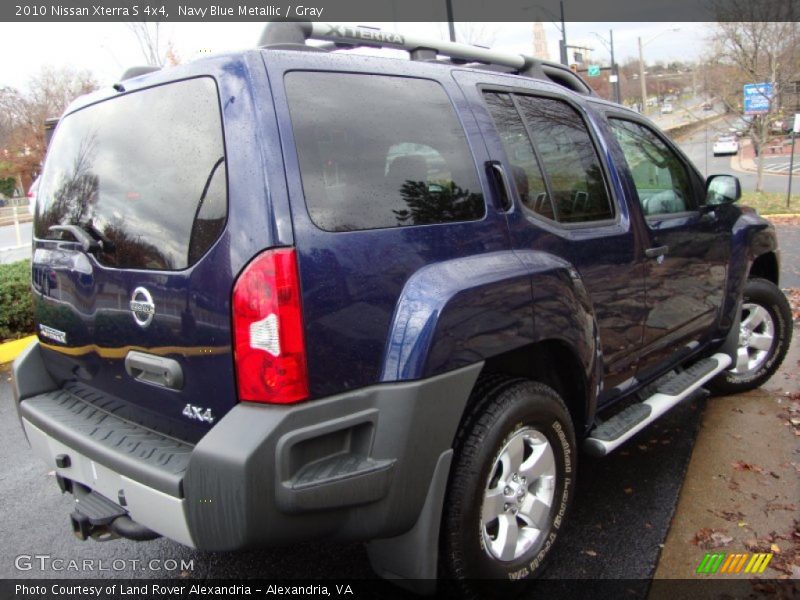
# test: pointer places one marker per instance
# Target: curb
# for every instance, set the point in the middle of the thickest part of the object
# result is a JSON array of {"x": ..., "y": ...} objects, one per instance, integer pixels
[{"x": 10, "y": 350}]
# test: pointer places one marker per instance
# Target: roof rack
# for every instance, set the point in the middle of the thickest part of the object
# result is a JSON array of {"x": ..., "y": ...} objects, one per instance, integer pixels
[{"x": 293, "y": 35}]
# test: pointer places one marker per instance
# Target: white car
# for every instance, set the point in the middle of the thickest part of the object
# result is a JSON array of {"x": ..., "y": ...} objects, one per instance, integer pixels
[
  {"x": 666, "y": 108},
  {"x": 727, "y": 144}
]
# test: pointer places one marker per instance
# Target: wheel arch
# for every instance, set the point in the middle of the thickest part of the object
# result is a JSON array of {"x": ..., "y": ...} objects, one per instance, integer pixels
[
  {"x": 551, "y": 362},
  {"x": 765, "y": 266}
]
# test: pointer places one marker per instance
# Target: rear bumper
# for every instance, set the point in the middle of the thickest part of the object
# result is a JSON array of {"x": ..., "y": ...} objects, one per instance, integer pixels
[{"x": 356, "y": 466}]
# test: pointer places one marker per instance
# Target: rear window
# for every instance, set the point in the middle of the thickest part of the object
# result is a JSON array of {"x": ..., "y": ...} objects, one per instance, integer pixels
[
  {"x": 144, "y": 172},
  {"x": 378, "y": 151}
]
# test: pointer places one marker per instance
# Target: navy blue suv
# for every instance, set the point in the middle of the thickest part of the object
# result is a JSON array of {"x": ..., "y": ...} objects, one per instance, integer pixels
[{"x": 297, "y": 293}]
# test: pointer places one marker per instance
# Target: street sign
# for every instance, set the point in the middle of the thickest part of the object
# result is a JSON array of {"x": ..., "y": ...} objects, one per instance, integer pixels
[
  {"x": 756, "y": 98},
  {"x": 796, "y": 127},
  {"x": 612, "y": 78},
  {"x": 593, "y": 71}
]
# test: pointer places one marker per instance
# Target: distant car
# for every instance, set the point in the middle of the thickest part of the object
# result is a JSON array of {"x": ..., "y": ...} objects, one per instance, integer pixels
[
  {"x": 727, "y": 144},
  {"x": 666, "y": 108},
  {"x": 32, "y": 195},
  {"x": 707, "y": 106}
]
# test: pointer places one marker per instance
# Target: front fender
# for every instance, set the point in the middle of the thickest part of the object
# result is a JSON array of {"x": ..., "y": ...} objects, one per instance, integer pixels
[{"x": 752, "y": 237}]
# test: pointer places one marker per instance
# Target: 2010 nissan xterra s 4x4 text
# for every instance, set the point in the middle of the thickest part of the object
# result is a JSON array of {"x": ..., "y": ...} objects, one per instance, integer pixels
[{"x": 295, "y": 293}]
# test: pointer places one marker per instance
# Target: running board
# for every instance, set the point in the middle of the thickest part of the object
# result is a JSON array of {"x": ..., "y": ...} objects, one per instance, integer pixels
[{"x": 611, "y": 434}]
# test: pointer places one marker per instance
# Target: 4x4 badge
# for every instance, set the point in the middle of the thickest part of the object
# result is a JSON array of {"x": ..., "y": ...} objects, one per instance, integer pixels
[{"x": 142, "y": 307}]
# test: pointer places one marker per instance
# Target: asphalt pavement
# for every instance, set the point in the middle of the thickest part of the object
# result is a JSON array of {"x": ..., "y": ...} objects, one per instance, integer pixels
[
  {"x": 13, "y": 247},
  {"x": 698, "y": 147},
  {"x": 622, "y": 510}
]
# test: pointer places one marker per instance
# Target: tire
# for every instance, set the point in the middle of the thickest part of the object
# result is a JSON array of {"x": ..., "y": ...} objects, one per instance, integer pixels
[
  {"x": 766, "y": 317},
  {"x": 517, "y": 427}
]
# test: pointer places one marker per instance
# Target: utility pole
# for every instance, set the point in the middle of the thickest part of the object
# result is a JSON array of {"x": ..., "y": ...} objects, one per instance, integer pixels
[
  {"x": 564, "y": 58},
  {"x": 614, "y": 71},
  {"x": 641, "y": 78},
  {"x": 450, "y": 23}
]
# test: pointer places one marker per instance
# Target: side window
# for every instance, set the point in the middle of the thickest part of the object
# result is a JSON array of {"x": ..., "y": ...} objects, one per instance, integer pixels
[
  {"x": 526, "y": 171},
  {"x": 660, "y": 177},
  {"x": 378, "y": 151},
  {"x": 570, "y": 160}
]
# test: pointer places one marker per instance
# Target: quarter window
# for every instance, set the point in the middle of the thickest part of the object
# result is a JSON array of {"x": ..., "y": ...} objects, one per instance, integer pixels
[
  {"x": 378, "y": 151},
  {"x": 662, "y": 183}
]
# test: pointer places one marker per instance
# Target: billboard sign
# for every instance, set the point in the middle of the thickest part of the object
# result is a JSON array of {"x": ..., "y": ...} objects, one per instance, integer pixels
[{"x": 756, "y": 98}]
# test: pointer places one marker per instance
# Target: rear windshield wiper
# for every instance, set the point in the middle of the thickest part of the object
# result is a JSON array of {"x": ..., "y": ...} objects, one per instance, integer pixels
[{"x": 82, "y": 236}]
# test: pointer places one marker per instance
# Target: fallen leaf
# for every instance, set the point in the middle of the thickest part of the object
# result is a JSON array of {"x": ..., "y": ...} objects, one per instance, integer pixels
[
  {"x": 711, "y": 538},
  {"x": 775, "y": 548},
  {"x": 777, "y": 506},
  {"x": 740, "y": 465},
  {"x": 628, "y": 490},
  {"x": 590, "y": 552}
]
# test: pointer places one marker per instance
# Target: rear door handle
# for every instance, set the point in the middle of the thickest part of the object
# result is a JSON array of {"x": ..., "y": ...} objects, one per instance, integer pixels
[
  {"x": 155, "y": 370},
  {"x": 656, "y": 251},
  {"x": 501, "y": 188}
]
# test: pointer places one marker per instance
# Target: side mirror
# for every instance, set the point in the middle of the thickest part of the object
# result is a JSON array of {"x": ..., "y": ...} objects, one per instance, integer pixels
[{"x": 722, "y": 189}]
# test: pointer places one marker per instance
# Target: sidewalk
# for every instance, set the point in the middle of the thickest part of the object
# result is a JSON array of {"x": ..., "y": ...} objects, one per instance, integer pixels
[
  {"x": 745, "y": 160},
  {"x": 742, "y": 488}
]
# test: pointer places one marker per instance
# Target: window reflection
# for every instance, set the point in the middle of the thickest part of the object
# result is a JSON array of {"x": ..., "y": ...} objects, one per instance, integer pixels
[
  {"x": 143, "y": 172},
  {"x": 378, "y": 151}
]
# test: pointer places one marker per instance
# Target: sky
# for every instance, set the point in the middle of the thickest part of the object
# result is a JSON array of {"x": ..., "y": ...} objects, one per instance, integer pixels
[{"x": 107, "y": 49}]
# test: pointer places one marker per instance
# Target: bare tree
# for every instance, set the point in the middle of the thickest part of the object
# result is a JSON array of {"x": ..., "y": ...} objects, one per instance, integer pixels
[
  {"x": 24, "y": 112},
  {"x": 755, "y": 41},
  {"x": 149, "y": 36},
  {"x": 476, "y": 34}
]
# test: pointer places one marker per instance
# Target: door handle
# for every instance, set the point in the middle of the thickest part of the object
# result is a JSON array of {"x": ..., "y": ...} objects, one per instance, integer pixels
[
  {"x": 656, "y": 251},
  {"x": 501, "y": 188},
  {"x": 155, "y": 370}
]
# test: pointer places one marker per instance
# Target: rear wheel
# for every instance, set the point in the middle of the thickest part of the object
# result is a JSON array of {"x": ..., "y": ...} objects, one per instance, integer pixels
[
  {"x": 764, "y": 337},
  {"x": 511, "y": 482}
]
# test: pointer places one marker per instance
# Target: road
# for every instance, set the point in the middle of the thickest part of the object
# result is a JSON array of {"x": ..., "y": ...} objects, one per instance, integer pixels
[
  {"x": 9, "y": 249},
  {"x": 698, "y": 145}
]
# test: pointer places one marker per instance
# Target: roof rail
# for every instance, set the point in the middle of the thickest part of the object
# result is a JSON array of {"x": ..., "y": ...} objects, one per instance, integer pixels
[{"x": 294, "y": 33}]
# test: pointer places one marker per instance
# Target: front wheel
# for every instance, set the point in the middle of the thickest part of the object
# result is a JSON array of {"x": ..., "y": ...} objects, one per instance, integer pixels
[
  {"x": 765, "y": 333},
  {"x": 511, "y": 483}
]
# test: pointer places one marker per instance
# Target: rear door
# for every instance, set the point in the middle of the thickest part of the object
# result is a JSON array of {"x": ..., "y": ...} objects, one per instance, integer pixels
[
  {"x": 131, "y": 270},
  {"x": 568, "y": 207}
]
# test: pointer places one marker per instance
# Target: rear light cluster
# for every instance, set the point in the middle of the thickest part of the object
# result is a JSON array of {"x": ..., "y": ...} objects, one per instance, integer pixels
[{"x": 269, "y": 349}]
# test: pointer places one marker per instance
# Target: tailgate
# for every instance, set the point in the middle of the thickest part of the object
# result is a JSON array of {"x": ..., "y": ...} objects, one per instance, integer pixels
[{"x": 132, "y": 292}]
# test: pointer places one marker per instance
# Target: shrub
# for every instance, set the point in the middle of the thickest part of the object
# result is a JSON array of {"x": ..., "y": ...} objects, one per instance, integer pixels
[{"x": 16, "y": 302}]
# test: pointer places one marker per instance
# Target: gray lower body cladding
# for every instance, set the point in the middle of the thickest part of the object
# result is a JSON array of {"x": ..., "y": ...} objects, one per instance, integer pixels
[{"x": 356, "y": 466}]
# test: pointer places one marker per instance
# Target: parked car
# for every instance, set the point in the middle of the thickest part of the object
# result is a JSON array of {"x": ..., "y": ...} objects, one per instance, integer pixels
[
  {"x": 666, "y": 108},
  {"x": 316, "y": 295},
  {"x": 726, "y": 144},
  {"x": 32, "y": 195},
  {"x": 708, "y": 106}
]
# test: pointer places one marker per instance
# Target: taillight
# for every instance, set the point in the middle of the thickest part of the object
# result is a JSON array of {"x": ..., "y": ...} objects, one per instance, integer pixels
[{"x": 268, "y": 330}]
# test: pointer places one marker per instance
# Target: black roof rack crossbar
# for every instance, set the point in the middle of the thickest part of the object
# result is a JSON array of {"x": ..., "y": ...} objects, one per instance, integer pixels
[{"x": 292, "y": 34}]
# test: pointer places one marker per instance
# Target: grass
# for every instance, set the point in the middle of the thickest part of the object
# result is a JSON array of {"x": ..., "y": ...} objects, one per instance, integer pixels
[{"x": 771, "y": 203}]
